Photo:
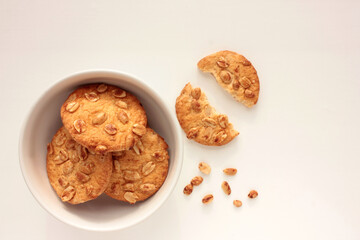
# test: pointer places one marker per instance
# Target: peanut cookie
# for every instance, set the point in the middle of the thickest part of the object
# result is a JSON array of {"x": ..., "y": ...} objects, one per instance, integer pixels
[
  {"x": 104, "y": 118},
  {"x": 200, "y": 121},
  {"x": 235, "y": 74},
  {"x": 75, "y": 174},
  {"x": 138, "y": 173}
]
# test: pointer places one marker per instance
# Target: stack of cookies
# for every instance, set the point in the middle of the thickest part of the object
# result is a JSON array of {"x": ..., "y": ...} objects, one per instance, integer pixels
[{"x": 105, "y": 146}]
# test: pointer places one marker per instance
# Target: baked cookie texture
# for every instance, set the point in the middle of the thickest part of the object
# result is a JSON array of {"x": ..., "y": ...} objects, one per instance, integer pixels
[
  {"x": 235, "y": 74},
  {"x": 104, "y": 118},
  {"x": 140, "y": 172},
  {"x": 199, "y": 119},
  {"x": 75, "y": 174}
]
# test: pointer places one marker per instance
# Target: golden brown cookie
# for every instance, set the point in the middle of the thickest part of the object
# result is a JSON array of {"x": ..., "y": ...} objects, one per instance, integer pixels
[
  {"x": 140, "y": 172},
  {"x": 235, "y": 74},
  {"x": 104, "y": 118},
  {"x": 200, "y": 121},
  {"x": 75, "y": 174}
]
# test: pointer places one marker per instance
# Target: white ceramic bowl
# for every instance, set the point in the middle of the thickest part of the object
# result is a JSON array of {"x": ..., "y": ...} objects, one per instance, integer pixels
[{"x": 103, "y": 213}]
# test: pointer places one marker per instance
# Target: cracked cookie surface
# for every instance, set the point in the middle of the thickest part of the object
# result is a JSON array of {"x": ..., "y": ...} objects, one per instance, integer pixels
[
  {"x": 235, "y": 74},
  {"x": 199, "y": 119}
]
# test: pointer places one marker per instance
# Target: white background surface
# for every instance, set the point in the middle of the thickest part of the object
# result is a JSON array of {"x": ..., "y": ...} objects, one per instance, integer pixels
[{"x": 299, "y": 146}]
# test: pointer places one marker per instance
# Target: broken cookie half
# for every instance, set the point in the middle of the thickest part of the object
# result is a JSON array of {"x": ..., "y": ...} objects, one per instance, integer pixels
[
  {"x": 200, "y": 121},
  {"x": 235, "y": 74}
]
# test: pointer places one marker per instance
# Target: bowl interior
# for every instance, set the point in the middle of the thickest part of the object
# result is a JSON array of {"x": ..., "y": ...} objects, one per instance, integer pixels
[{"x": 103, "y": 213}]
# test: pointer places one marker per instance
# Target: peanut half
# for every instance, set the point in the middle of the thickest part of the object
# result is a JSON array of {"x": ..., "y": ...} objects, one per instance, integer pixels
[
  {"x": 237, "y": 203},
  {"x": 204, "y": 168},
  {"x": 253, "y": 194},
  {"x": 188, "y": 189},
  {"x": 196, "y": 181},
  {"x": 226, "y": 187},
  {"x": 230, "y": 171},
  {"x": 208, "y": 199}
]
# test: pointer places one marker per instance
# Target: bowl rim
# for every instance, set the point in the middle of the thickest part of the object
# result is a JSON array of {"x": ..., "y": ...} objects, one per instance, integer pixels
[{"x": 115, "y": 74}]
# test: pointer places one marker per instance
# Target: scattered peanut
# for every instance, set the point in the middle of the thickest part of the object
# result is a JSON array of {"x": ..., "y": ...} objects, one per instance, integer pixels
[
  {"x": 188, "y": 189},
  {"x": 230, "y": 171},
  {"x": 196, "y": 181},
  {"x": 237, "y": 203},
  {"x": 208, "y": 199},
  {"x": 253, "y": 194},
  {"x": 204, "y": 168},
  {"x": 226, "y": 187}
]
